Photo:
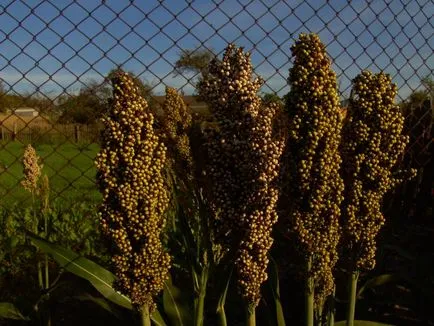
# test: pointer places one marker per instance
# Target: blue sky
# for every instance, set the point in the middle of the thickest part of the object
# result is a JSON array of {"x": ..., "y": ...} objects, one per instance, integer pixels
[{"x": 61, "y": 44}]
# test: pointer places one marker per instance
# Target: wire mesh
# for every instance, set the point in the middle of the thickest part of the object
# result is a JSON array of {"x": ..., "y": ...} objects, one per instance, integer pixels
[{"x": 55, "y": 57}]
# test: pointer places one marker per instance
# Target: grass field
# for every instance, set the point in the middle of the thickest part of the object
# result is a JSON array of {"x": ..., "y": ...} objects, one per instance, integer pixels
[{"x": 70, "y": 168}]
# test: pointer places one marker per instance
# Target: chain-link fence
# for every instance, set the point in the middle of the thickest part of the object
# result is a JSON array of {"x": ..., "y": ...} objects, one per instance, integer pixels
[{"x": 55, "y": 57}]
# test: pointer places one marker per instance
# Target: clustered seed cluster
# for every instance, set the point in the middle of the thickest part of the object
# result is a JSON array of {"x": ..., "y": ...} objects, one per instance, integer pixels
[
  {"x": 32, "y": 169},
  {"x": 130, "y": 176},
  {"x": 372, "y": 144},
  {"x": 176, "y": 127},
  {"x": 243, "y": 166},
  {"x": 314, "y": 158}
]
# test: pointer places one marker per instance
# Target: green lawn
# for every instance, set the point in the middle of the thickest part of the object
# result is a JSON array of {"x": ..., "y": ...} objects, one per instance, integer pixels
[{"x": 69, "y": 166}]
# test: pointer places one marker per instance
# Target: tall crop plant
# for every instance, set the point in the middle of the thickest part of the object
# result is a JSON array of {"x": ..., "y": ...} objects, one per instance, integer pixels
[
  {"x": 243, "y": 166},
  {"x": 372, "y": 144},
  {"x": 314, "y": 160},
  {"x": 191, "y": 222},
  {"x": 130, "y": 177}
]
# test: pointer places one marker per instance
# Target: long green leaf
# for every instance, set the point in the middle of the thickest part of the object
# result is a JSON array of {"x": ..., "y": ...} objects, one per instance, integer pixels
[
  {"x": 222, "y": 299},
  {"x": 158, "y": 319},
  {"x": 362, "y": 323},
  {"x": 9, "y": 311},
  {"x": 275, "y": 289},
  {"x": 100, "y": 278},
  {"x": 176, "y": 305},
  {"x": 377, "y": 281}
]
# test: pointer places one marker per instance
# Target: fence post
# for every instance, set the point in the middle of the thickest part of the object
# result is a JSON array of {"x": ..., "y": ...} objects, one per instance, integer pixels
[
  {"x": 77, "y": 133},
  {"x": 14, "y": 131}
]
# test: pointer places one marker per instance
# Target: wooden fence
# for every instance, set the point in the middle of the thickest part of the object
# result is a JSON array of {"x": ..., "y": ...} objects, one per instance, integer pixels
[{"x": 57, "y": 133}]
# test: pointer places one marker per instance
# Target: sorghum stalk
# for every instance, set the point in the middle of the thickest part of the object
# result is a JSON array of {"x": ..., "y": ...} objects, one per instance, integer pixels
[
  {"x": 243, "y": 155},
  {"x": 372, "y": 143},
  {"x": 45, "y": 196},
  {"x": 309, "y": 295},
  {"x": 331, "y": 309},
  {"x": 176, "y": 128},
  {"x": 352, "y": 294},
  {"x": 130, "y": 176},
  {"x": 314, "y": 161},
  {"x": 32, "y": 172}
]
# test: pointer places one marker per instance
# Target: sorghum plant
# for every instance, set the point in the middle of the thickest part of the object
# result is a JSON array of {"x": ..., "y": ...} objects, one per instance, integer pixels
[
  {"x": 243, "y": 155},
  {"x": 32, "y": 170},
  {"x": 130, "y": 176},
  {"x": 190, "y": 227},
  {"x": 372, "y": 144},
  {"x": 314, "y": 161},
  {"x": 176, "y": 126}
]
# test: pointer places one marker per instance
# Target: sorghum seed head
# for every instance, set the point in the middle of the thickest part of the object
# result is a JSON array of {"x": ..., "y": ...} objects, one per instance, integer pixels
[
  {"x": 372, "y": 144},
  {"x": 314, "y": 135},
  {"x": 243, "y": 155},
  {"x": 130, "y": 176},
  {"x": 32, "y": 169}
]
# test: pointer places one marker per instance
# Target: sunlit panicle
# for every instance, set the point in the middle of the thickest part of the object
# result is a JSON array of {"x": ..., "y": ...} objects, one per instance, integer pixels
[
  {"x": 243, "y": 165},
  {"x": 372, "y": 144},
  {"x": 316, "y": 187},
  {"x": 32, "y": 169},
  {"x": 130, "y": 176},
  {"x": 177, "y": 124}
]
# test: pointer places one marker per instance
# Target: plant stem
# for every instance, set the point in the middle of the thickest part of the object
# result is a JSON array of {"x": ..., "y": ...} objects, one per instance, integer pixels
[
  {"x": 40, "y": 277},
  {"x": 352, "y": 292},
  {"x": 222, "y": 317},
  {"x": 47, "y": 274},
  {"x": 145, "y": 316},
  {"x": 319, "y": 315},
  {"x": 251, "y": 315},
  {"x": 331, "y": 309},
  {"x": 36, "y": 224},
  {"x": 309, "y": 294},
  {"x": 201, "y": 300}
]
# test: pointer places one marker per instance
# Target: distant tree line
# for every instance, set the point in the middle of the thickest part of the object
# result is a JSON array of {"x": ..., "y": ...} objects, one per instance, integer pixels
[
  {"x": 93, "y": 98},
  {"x": 84, "y": 107}
]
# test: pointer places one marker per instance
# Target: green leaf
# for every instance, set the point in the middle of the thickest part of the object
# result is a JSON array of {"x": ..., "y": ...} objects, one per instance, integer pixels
[
  {"x": 362, "y": 323},
  {"x": 377, "y": 281},
  {"x": 176, "y": 305},
  {"x": 9, "y": 311},
  {"x": 222, "y": 299},
  {"x": 275, "y": 290},
  {"x": 100, "y": 278},
  {"x": 158, "y": 319}
]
